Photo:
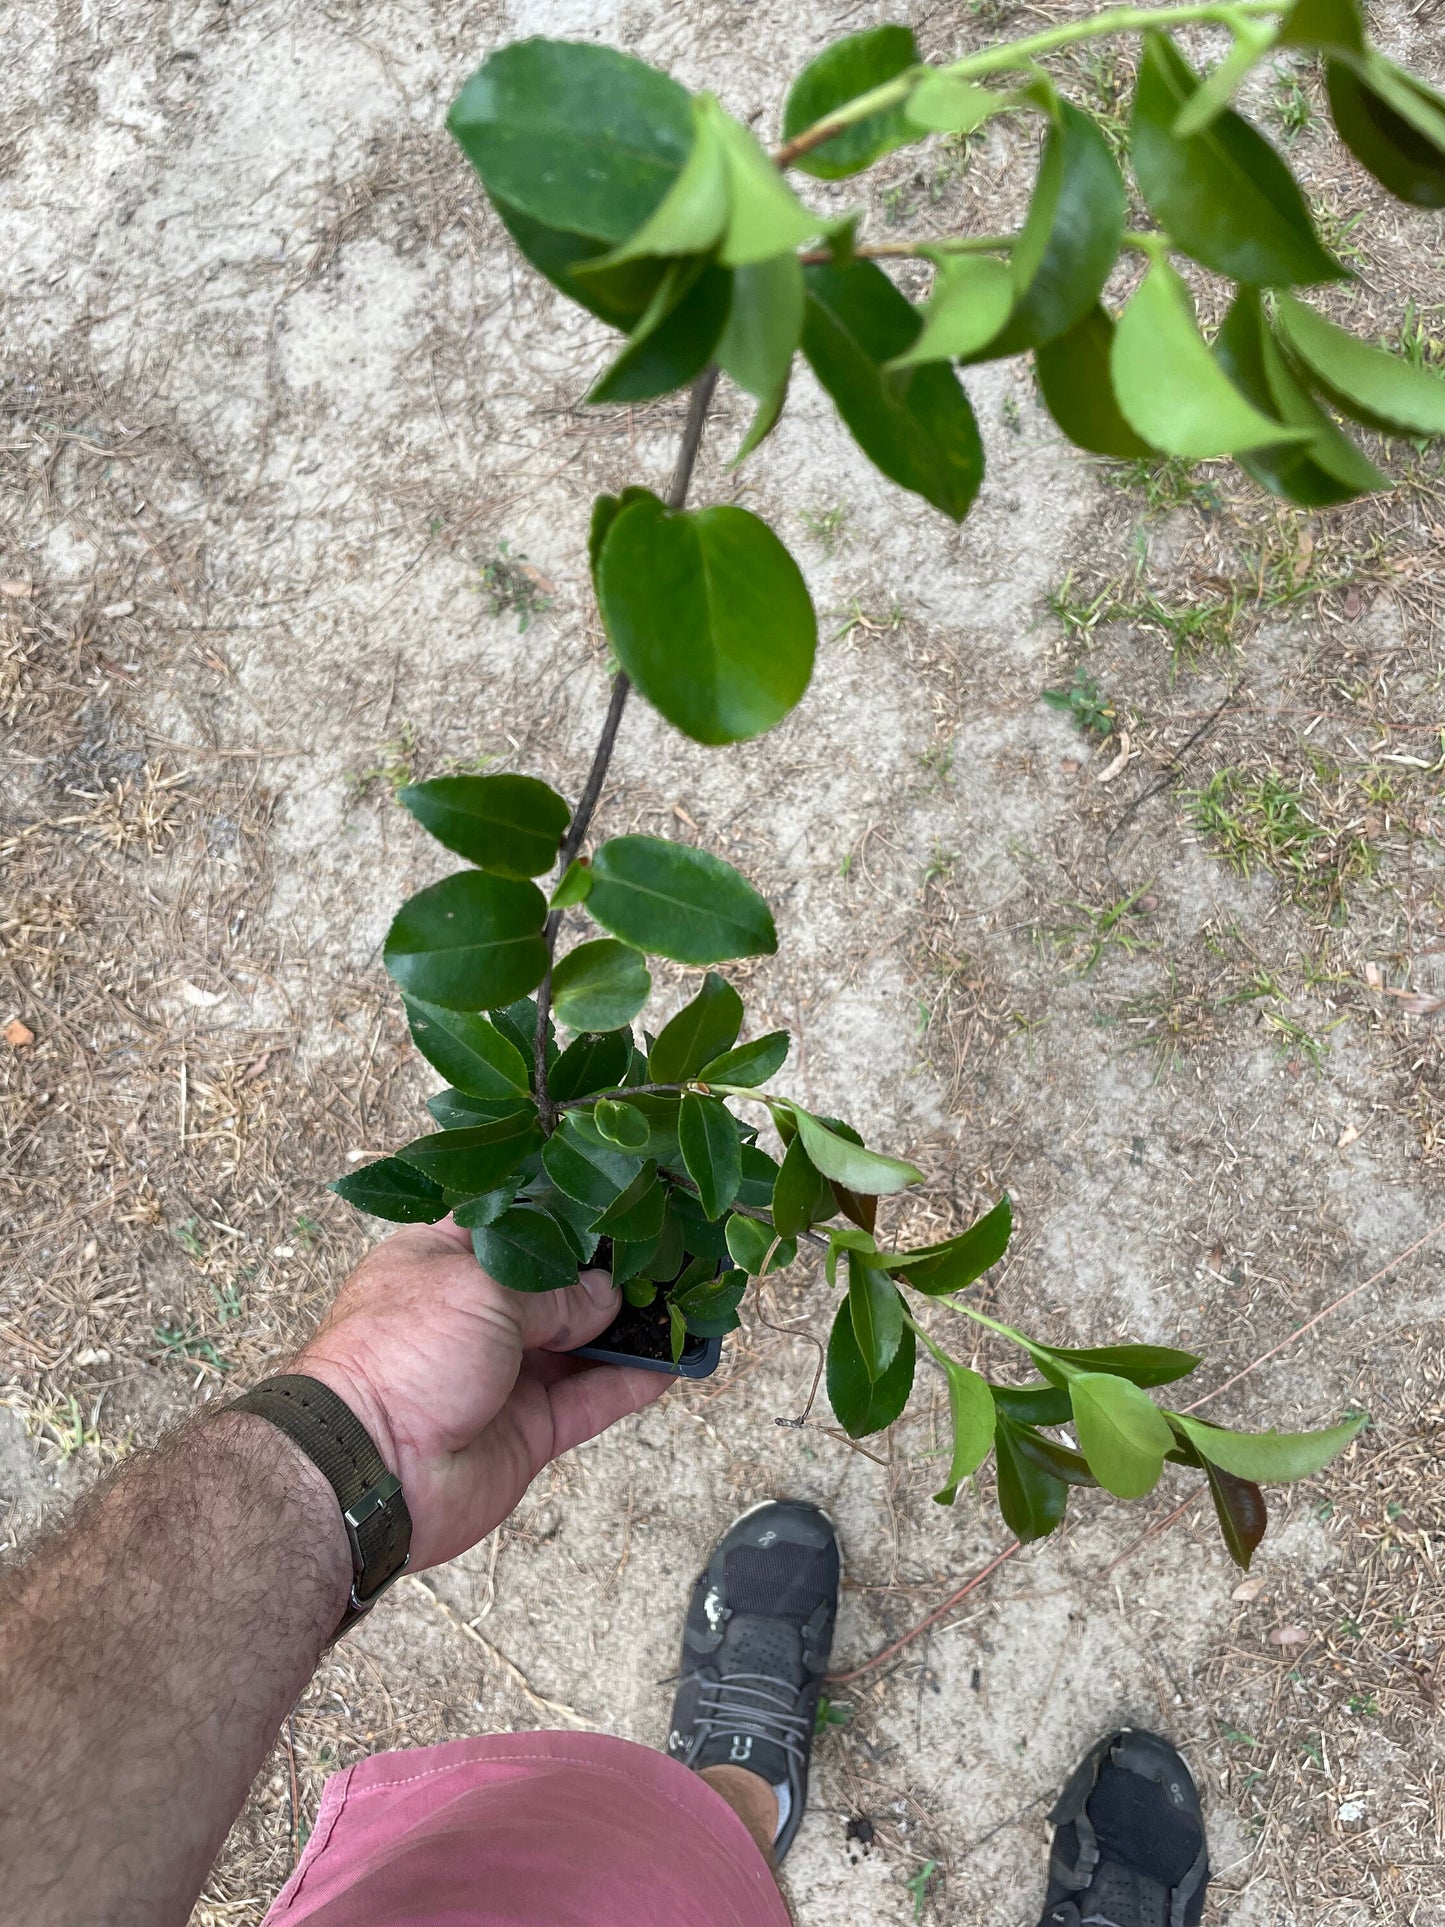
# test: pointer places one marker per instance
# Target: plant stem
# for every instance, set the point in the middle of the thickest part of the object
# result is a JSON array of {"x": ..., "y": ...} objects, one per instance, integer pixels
[
  {"x": 581, "y": 822},
  {"x": 1019, "y": 53}
]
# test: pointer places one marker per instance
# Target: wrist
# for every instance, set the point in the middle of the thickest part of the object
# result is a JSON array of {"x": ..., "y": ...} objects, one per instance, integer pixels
[{"x": 355, "y": 1389}]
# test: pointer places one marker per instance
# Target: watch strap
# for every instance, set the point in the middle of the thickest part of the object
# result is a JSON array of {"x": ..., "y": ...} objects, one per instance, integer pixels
[{"x": 378, "y": 1524}]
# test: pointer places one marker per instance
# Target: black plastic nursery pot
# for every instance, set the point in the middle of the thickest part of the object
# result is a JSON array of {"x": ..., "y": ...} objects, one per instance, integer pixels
[{"x": 642, "y": 1334}]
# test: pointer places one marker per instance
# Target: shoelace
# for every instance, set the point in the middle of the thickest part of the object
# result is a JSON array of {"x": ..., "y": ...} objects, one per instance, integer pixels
[{"x": 755, "y": 1703}]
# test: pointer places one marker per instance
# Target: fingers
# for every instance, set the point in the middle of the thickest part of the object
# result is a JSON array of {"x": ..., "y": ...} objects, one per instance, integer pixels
[
  {"x": 555, "y": 1321},
  {"x": 587, "y": 1402}
]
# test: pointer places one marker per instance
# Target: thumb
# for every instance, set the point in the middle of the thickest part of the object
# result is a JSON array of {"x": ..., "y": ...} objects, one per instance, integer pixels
[{"x": 555, "y": 1321}]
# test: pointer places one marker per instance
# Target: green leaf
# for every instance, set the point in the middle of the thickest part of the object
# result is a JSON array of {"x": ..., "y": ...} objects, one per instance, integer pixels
[
  {"x": 918, "y": 428},
  {"x": 802, "y": 1196},
  {"x": 1073, "y": 371},
  {"x": 479, "y": 1156},
  {"x": 863, "y": 1405},
  {"x": 750, "y": 1064},
  {"x": 637, "y": 1214},
  {"x": 1034, "y": 1404},
  {"x": 454, "y": 1109},
  {"x": 605, "y": 511},
  {"x": 711, "y": 1307},
  {"x": 703, "y": 1238},
  {"x": 1031, "y": 1498},
  {"x": 764, "y": 328},
  {"x": 877, "y": 1313},
  {"x": 594, "y": 1061},
  {"x": 580, "y": 137},
  {"x": 518, "y": 1024},
  {"x": 1224, "y": 195},
  {"x": 707, "y": 1135},
  {"x": 1240, "y": 1508},
  {"x": 1070, "y": 238},
  {"x": 849, "y": 68},
  {"x": 620, "y": 297},
  {"x": 850, "y": 1164},
  {"x": 1324, "y": 23},
  {"x": 943, "y": 103},
  {"x": 1393, "y": 124},
  {"x": 972, "y": 1411},
  {"x": 1121, "y": 1431},
  {"x": 678, "y": 902},
  {"x": 765, "y": 216},
  {"x": 699, "y": 1031},
  {"x": 1140, "y": 1364},
  {"x": 971, "y": 298},
  {"x": 1326, "y": 469},
  {"x": 574, "y": 1219},
  {"x": 1253, "y": 39},
  {"x": 390, "y": 1188},
  {"x": 957, "y": 1262},
  {"x": 710, "y": 617},
  {"x": 470, "y": 1053},
  {"x": 677, "y": 1325},
  {"x": 667, "y": 1261},
  {"x": 620, "y": 1124},
  {"x": 691, "y": 216},
  {"x": 575, "y": 882},
  {"x": 1072, "y": 1467},
  {"x": 630, "y": 1261},
  {"x": 486, "y": 1207},
  {"x": 599, "y": 985},
  {"x": 1373, "y": 386},
  {"x": 1269, "y": 1458},
  {"x": 760, "y": 1175},
  {"x": 674, "y": 340},
  {"x": 750, "y": 1242},
  {"x": 526, "y": 1250},
  {"x": 1169, "y": 387},
  {"x": 512, "y": 825},
  {"x": 585, "y": 1171},
  {"x": 470, "y": 942}
]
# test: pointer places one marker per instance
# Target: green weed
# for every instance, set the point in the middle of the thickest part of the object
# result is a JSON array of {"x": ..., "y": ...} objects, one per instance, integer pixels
[
  {"x": 1091, "y": 712},
  {"x": 514, "y": 587}
]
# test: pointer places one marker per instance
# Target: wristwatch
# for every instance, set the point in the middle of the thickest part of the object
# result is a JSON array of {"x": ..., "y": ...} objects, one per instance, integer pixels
[{"x": 378, "y": 1525}]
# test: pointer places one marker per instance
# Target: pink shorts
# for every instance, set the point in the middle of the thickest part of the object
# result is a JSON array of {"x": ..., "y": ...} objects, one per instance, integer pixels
[{"x": 566, "y": 1829}]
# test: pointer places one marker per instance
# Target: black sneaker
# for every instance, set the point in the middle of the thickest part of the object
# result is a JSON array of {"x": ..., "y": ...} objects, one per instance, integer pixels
[
  {"x": 754, "y": 1651},
  {"x": 1129, "y": 1847}
]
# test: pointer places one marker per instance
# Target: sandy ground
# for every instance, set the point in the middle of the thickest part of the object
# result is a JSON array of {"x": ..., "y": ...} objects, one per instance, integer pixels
[{"x": 275, "y": 392}]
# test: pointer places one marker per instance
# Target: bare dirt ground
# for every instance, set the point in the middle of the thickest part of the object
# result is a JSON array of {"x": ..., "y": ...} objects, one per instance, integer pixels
[{"x": 275, "y": 393}]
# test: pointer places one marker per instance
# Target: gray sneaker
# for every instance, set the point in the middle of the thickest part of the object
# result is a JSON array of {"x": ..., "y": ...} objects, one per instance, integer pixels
[{"x": 755, "y": 1648}]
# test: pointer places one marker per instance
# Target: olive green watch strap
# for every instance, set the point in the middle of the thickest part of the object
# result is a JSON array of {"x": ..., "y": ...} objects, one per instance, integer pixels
[{"x": 378, "y": 1525}]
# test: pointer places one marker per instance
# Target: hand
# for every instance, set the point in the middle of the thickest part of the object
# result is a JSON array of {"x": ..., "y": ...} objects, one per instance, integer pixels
[{"x": 459, "y": 1381}]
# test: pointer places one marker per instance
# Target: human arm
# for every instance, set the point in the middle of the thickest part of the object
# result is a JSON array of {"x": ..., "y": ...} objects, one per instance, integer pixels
[{"x": 150, "y": 1650}]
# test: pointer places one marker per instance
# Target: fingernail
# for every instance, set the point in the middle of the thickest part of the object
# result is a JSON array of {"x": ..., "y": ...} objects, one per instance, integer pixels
[{"x": 598, "y": 1286}]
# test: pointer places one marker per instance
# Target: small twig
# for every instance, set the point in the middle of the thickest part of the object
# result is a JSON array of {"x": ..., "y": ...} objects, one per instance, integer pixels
[
  {"x": 1162, "y": 782},
  {"x": 842, "y": 1679},
  {"x": 557, "y": 1708}
]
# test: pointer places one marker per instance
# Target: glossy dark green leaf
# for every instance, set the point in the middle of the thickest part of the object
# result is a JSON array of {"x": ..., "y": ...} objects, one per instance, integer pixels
[
  {"x": 454, "y": 1110},
  {"x": 763, "y": 332},
  {"x": 851, "y": 1164},
  {"x": 711, "y": 1308},
  {"x": 1121, "y": 1431},
  {"x": 637, "y": 1213},
  {"x": 479, "y": 1156},
  {"x": 700, "y": 1031},
  {"x": 605, "y": 511},
  {"x": 957, "y": 1262},
  {"x": 486, "y": 1207},
  {"x": 918, "y": 427},
  {"x": 1375, "y": 387},
  {"x": 1032, "y": 1499},
  {"x": 710, "y": 617},
  {"x": 660, "y": 1113},
  {"x": 1393, "y": 124},
  {"x": 750, "y": 1242},
  {"x": 678, "y": 902},
  {"x": 620, "y": 297},
  {"x": 632, "y": 1260},
  {"x": 802, "y": 1196},
  {"x": 1078, "y": 390},
  {"x": 1253, "y": 40},
  {"x": 1034, "y": 1404},
  {"x": 704, "y": 1237},
  {"x": 674, "y": 340},
  {"x": 512, "y": 825},
  {"x": 573, "y": 1218},
  {"x": 863, "y": 1405},
  {"x": 1327, "y": 24},
  {"x": 518, "y": 1024},
  {"x": 693, "y": 214},
  {"x": 749, "y": 1064},
  {"x": 1070, "y": 238},
  {"x": 849, "y": 68},
  {"x": 526, "y": 1250},
  {"x": 707, "y": 1136},
  {"x": 1269, "y": 1458},
  {"x": 583, "y": 138},
  {"x": 1140, "y": 1364},
  {"x": 586, "y": 1171},
  {"x": 620, "y": 1124},
  {"x": 877, "y": 1314},
  {"x": 600, "y": 985},
  {"x": 594, "y": 1061},
  {"x": 1070, "y": 1466},
  {"x": 1326, "y": 469},
  {"x": 760, "y": 1176},
  {"x": 1224, "y": 195},
  {"x": 393, "y": 1189},
  {"x": 667, "y": 1261},
  {"x": 470, "y": 1052},
  {"x": 1169, "y": 387},
  {"x": 469, "y": 942},
  {"x": 970, "y": 302},
  {"x": 972, "y": 1415}
]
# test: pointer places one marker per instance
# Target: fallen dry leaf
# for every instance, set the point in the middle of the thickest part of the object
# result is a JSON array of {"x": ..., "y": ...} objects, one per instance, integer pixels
[
  {"x": 1248, "y": 1590},
  {"x": 18, "y": 1035},
  {"x": 1119, "y": 762},
  {"x": 1289, "y": 1636},
  {"x": 1372, "y": 976},
  {"x": 1347, "y": 1136},
  {"x": 14, "y": 588},
  {"x": 202, "y": 999}
]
